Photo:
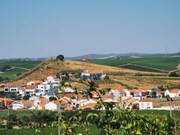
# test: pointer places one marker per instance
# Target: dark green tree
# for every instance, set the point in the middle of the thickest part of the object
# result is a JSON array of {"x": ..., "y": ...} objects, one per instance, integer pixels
[
  {"x": 60, "y": 57},
  {"x": 5, "y": 68}
]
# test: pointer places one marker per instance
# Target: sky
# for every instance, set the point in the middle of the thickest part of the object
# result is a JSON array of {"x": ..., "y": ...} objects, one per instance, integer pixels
[{"x": 44, "y": 28}]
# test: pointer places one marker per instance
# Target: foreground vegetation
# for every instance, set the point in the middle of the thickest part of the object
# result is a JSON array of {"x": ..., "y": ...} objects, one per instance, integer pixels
[{"x": 91, "y": 122}]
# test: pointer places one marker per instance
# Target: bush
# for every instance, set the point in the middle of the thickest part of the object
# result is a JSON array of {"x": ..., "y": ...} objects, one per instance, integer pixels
[
  {"x": 26, "y": 97},
  {"x": 172, "y": 74}
]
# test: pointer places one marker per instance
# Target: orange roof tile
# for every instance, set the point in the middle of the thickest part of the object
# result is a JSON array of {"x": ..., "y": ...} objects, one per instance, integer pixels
[
  {"x": 42, "y": 105},
  {"x": 37, "y": 81},
  {"x": 175, "y": 91},
  {"x": 108, "y": 96},
  {"x": 30, "y": 86},
  {"x": 95, "y": 92},
  {"x": 68, "y": 108},
  {"x": 90, "y": 105},
  {"x": 27, "y": 102},
  {"x": 146, "y": 100},
  {"x": 43, "y": 100}
]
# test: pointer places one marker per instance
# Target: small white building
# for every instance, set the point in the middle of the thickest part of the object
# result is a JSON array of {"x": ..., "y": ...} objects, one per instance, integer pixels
[
  {"x": 174, "y": 93},
  {"x": 52, "y": 106},
  {"x": 30, "y": 89},
  {"x": 69, "y": 90},
  {"x": 17, "y": 105},
  {"x": 146, "y": 104},
  {"x": 34, "y": 82},
  {"x": 11, "y": 89},
  {"x": 52, "y": 79},
  {"x": 22, "y": 104},
  {"x": 42, "y": 89},
  {"x": 93, "y": 75}
]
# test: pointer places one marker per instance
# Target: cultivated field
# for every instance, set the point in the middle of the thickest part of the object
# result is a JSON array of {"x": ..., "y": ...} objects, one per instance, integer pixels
[
  {"x": 18, "y": 67},
  {"x": 150, "y": 64}
]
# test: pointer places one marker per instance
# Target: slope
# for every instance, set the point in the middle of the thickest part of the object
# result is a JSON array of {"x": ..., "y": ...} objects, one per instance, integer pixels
[{"x": 52, "y": 67}]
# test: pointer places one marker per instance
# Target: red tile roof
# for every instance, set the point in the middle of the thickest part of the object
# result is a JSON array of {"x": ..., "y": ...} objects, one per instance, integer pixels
[
  {"x": 146, "y": 100},
  {"x": 43, "y": 100},
  {"x": 95, "y": 92},
  {"x": 175, "y": 91},
  {"x": 27, "y": 102},
  {"x": 37, "y": 81},
  {"x": 90, "y": 105},
  {"x": 42, "y": 105},
  {"x": 68, "y": 108},
  {"x": 30, "y": 86}
]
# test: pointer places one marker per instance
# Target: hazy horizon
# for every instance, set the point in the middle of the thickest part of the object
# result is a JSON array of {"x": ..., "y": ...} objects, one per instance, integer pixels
[{"x": 44, "y": 28}]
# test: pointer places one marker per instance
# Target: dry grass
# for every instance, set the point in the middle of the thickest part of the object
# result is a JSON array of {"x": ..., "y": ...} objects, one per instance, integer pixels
[
  {"x": 166, "y": 103},
  {"x": 140, "y": 82},
  {"x": 52, "y": 67}
]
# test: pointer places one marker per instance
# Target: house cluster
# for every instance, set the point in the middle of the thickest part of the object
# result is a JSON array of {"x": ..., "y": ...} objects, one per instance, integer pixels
[
  {"x": 42, "y": 92},
  {"x": 93, "y": 75}
]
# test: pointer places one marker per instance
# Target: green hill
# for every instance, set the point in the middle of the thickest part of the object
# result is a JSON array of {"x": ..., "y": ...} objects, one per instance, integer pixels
[{"x": 151, "y": 64}]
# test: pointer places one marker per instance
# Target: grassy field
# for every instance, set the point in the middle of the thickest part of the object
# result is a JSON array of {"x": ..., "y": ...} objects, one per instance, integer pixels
[
  {"x": 19, "y": 63},
  {"x": 18, "y": 67},
  {"x": 162, "y": 63},
  {"x": 47, "y": 131}
]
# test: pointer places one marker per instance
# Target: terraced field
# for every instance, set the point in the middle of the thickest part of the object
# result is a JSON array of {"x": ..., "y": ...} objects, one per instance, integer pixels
[{"x": 151, "y": 64}]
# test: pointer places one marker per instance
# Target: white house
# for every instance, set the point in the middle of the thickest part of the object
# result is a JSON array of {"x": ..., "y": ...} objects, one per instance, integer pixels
[
  {"x": 22, "y": 104},
  {"x": 11, "y": 89},
  {"x": 42, "y": 89},
  {"x": 93, "y": 75},
  {"x": 30, "y": 89},
  {"x": 17, "y": 105},
  {"x": 69, "y": 90},
  {"x": 52, "y": 79},
  {"x": 117, "y": 92},
  {"x": 40, "y": 101},
  {"x": 174, "y": 93},
  {"x": 52, "y": 106},
  {"x": 34, "y": 82},
  {"x": 146, "y": 104}
]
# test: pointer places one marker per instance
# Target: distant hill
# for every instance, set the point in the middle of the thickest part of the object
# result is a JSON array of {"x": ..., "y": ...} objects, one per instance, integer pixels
[{"x": 111, "y": 55}]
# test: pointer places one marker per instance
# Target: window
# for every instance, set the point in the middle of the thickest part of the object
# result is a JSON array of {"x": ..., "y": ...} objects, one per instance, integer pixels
[
  {"x": 13, "y": 90},
  {"x": 6, "y": 90}
]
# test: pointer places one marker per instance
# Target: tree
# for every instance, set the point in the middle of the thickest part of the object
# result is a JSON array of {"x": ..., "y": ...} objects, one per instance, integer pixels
[
  {"x": 26, "y": 97},
  {"x": 172, "y": 74},
  {"x": 1, "y": 79},
  {"x": 4, "y": 68},
  {"x": 60, "y": 57}
]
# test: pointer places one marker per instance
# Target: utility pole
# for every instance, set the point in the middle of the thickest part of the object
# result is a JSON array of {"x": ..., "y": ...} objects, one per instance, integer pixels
[{"x": 170, "y": 108}]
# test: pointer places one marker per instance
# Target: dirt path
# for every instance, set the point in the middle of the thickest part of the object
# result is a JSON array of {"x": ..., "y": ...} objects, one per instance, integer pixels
[{"x": 22, "y": 68}]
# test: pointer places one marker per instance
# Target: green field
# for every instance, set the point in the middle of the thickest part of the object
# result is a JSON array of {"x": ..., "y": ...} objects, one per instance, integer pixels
[
  {"x": 19, "y": 63},
  {"x": 47, "y": 131},
  {"x": 18, "y": 67},
  {"x": 161, "y": 63}
]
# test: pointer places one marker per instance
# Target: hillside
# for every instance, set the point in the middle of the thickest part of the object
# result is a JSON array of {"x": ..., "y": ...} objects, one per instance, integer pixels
[
  {"x": 17, "y": 67},
  {"x": 149, "y": 64},
  {"x": 52, "y": 67}
]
